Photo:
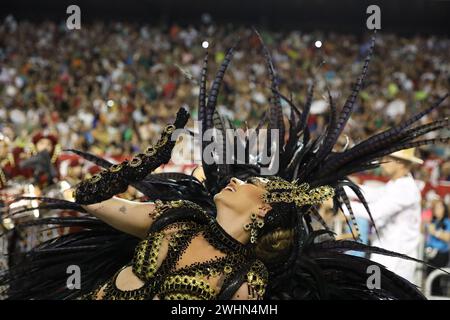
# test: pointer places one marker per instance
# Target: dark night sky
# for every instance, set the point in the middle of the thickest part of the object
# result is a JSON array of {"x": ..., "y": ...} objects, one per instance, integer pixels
[{"x": 402, "y": 16}]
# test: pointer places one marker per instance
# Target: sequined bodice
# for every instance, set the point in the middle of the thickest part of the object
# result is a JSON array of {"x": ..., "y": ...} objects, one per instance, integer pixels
[{"x": 170, "y": 282}]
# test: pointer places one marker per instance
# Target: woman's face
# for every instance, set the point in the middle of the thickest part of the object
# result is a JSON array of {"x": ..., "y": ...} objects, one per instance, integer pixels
[
  {"x": 242, "y": 196},
  {"x": 438, "y": 209}
]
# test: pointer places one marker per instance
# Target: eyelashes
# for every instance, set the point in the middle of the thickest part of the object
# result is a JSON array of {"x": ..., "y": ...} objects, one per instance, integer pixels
[
  {"x": 256, "y": 182},
  {"x": 253, "y": 181}
]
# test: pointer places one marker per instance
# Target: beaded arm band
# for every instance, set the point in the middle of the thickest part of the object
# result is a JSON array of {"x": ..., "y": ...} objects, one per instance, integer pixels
[{"x": 116, "y": 179}]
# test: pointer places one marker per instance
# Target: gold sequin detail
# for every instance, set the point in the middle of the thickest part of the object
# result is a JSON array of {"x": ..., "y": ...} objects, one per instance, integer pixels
[
  {"x": 146, "y": 256},
  {"x": 116, "y": 167},
  {"x": 189, "y": 282},
  {"x": 299, "y": 194},
  {"x": 182, "y": 287},
  {"x": 257, "y": 277},
  {"x": 135, "y": 162},
  {"x": 95, "y": 178}
]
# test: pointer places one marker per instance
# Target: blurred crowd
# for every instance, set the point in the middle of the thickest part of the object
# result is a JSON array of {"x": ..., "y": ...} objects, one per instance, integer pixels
[{"x": 109, "y": 88}]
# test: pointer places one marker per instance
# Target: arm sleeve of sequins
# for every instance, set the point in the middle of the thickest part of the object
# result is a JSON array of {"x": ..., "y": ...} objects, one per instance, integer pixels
[{"x": 115, "y": 179}]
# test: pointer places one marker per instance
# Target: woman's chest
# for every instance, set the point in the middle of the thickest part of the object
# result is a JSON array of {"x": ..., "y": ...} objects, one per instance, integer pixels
[{"x": 184, "y": 264}]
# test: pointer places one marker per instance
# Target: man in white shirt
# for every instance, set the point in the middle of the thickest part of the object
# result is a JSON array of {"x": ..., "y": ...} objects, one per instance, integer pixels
[{"x": 396, "y": 210}]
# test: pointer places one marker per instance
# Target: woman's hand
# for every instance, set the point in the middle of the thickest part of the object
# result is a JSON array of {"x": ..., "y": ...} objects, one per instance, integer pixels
[{"x": 116, "y": 178}]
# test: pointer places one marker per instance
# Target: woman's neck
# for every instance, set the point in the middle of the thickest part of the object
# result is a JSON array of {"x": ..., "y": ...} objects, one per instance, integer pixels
[{"x": 233, "y": 224}]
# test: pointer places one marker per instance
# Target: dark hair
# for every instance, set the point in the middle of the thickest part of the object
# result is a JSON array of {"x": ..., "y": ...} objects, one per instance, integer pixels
[
  {"x": 440, "y": 222},
  {"x": 277, "y": 239},
  {"x": 274, "y": 246}
]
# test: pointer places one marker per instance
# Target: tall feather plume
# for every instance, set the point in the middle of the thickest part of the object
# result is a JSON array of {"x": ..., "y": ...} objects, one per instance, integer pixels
[
  {"x": 368, "y": 153},
  {"x": 343, "y": 173},
  {"x": 307, "y": 108},
  {"x": 418, "y": 131},
  {"x": 50, "y": 206},
  {"x": 215, "y": 87},
  {"x": 361, "y": 198},
  {"x": 345, "y": 245},
  {"x": 276, "y": 111},
  {"x": 202, "y": 93},
  {"x": 348, "y": 107},
  {"x": 341, "y": 193},
  {"x": 389, "y": 136},
  {"x": 338, "y": 206},
  {"x": 219, "y": 125},
  {"x": 91, "y": 157},
  {"x": 294, "y": 130},
  {"x": 290, "y": 156},
  {"x": 262, "y": 121},
  {"x": 211, "y": 170},
  {"x": 394, "y": 148},
  {"x": 333, "y": 111},
  {"x": 314, "y": 212},
  {"x": 408, "y": 145}
]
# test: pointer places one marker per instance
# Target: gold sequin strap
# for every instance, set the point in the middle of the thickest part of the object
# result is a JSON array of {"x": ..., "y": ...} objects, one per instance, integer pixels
[
  {"x": 112, "y": 292},
  {"x": 145, "y": 257},
  {"x": 185, "y": 287},
  {"x": 162, "y": 207}
]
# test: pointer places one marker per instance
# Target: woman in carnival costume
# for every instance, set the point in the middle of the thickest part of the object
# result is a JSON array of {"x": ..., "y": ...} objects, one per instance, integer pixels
[{"x": 238, "y": 234}]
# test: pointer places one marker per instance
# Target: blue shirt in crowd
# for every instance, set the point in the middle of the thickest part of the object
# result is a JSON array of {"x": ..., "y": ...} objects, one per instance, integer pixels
[{"x": 437, "y": 243}]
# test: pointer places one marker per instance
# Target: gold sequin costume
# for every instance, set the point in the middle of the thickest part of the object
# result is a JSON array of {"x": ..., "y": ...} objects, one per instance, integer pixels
[{"x": 189, "y": 282}]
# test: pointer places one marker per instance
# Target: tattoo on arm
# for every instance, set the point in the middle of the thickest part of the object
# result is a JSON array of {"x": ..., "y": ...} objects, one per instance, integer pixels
[{"x": 123, "y": 209}]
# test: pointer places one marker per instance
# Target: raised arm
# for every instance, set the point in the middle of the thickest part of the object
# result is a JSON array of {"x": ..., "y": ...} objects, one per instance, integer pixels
[
  {"x": 96, "y": 194},
  {"x": 116, "y": 179},
  {"x": 131, "y": 217}
]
